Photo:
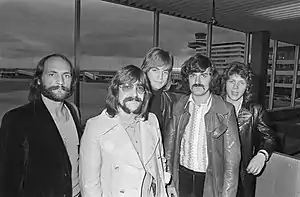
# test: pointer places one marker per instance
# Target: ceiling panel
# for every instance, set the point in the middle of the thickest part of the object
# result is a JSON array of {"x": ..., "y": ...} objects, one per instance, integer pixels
[{"x": 280, "y": 17}]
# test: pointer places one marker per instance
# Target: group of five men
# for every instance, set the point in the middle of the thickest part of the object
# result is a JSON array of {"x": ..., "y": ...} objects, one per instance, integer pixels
[{"x": 148, "y": 141}]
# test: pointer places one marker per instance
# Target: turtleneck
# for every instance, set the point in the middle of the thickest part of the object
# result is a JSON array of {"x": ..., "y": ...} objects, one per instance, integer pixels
[{"x": 155, "y": 104}]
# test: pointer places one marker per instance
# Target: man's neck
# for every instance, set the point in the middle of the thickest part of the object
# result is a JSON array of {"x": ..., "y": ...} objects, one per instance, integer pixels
[
  {"x": 201, "y": 99},
  {"x": 125, "y": 117},
  {"x": 236, "y": 103},
  {"x": 55, "y": 108}
]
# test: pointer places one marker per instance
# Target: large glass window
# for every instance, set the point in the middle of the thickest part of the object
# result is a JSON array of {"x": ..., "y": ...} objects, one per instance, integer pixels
[
  {"x": 29, "y": 30},
  {"x": 112, "y": 36},
  {"x": 284, "y": 75}
]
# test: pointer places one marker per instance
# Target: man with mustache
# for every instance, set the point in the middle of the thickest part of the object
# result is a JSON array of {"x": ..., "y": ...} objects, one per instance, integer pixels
[
  {"x": 39, "y": 141},
  {"x": 202, "y": 142},
  {"x": 121, "y": 150}
]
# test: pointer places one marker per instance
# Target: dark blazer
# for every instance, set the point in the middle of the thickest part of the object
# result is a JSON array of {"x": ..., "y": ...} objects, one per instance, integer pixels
[
  {"x": 34, "y": 160},
  {"x": 255, "y": 134}
]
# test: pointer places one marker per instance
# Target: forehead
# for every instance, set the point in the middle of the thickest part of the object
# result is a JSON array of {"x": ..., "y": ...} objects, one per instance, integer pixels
[
  {"x": 206, "y": 71},
  {"x": 161, "y": 67},
  {"x": 56, "y": 64},
  {"x": 236, "y": 77}
]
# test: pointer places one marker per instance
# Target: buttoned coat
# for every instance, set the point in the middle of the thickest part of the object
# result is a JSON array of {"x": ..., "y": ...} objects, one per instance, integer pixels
[
  {"x": 34, "y": 161},
  {"x": 110, "y": 165},
  {"x": 223, "y": 146}
]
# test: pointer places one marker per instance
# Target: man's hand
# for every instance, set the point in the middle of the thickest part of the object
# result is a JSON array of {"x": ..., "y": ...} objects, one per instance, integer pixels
[
  {"x": 256, "y": 164},
  {"x": 171, "y": 191}
]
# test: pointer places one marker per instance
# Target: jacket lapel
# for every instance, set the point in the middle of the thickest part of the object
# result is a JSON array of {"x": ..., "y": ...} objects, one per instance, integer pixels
[
  {"x": 216, "y": 117},
  {"x": 244, "y": 116},
  {"x": 149, "y": 141},
  {"x": 46, "y": 123}
]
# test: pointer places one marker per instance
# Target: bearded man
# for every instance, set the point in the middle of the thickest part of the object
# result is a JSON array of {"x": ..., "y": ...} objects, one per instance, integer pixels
[
  {"x": 121, "y": 150},
  {"x": 39, "y": 141}
]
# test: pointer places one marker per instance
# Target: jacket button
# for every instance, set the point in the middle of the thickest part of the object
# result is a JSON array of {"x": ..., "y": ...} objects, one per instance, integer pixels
[
  {"x": 117, "y": 167},
  {"x": 65, "y": 174},
  {"x": 122, "y": 191}
]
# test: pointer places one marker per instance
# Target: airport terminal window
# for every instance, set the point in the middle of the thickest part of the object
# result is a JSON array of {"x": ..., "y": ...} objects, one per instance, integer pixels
[
  {"x": 47, "y": 27},
  {"x": 112, "y": 36},
  {"x": 284, "y": 75}
]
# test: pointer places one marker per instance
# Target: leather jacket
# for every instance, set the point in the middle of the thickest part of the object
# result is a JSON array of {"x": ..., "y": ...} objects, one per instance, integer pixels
[
  {"x": 167, "y": 101},
  {"x": 255, "y": 134},
  {"x": 223, "y": 146}
]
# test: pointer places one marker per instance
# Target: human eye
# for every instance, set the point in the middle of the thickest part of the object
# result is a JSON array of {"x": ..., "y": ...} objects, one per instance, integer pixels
[
  {"x": 140, "y": 89},
  {"x": 126, "y": 87},
  {"x": 67, "y": 75},
  {"x": 193, "y": 75},
  {"x": 154, "y": 69}
]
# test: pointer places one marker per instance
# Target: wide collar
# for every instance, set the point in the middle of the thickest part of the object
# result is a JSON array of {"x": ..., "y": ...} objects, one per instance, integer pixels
[
  {"x": 217, "y": 105},
  {"x": 148, "y": 131}
]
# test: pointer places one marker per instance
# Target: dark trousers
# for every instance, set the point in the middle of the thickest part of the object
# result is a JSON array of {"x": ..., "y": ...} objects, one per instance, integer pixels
[{"x": 191, "y": 183}]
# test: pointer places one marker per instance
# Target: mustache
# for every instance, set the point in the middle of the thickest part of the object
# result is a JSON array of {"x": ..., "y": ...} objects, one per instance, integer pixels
[
  {"x": 132, "y": 99},
  {"x": 196, "y": 85},
  {"x": 64, "y": 88}
]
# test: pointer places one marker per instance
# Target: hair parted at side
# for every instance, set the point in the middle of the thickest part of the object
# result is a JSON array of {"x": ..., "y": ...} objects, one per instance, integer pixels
[
  {"x": 238, "y": 68},
  {"x": 199, "y": 63},
  {"x": 127, "y": 74},
  {"x": 157, "y": 57},
  {"x": 35, "y": 88}
]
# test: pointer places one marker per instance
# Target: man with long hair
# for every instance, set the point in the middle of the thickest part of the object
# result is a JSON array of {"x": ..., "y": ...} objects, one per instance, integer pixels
[
  {"x": 39, "y": 141},
  {"x": 202, "y": 143},
  {"x": 121, "y": 150},
  {"x": 258, "y": 140},
  {"x": 158, "y": 65}
]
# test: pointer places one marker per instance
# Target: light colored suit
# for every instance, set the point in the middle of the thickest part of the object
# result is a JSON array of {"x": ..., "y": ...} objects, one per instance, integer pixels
[{"x": 111, "y": 167}]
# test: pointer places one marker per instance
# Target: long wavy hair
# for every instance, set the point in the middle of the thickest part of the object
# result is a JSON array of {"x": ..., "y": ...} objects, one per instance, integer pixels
[
  {"x": 36, "y": 83},
  {"x": 199, "y": 63},
  {"x": 127, "y": 74},
  {"x": 157, "y": 57},
  {"x": 238, "y": 68}
]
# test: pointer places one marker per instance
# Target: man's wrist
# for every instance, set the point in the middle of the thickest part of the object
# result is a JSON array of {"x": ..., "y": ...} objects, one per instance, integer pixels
[{"x": 265, "y": 154}]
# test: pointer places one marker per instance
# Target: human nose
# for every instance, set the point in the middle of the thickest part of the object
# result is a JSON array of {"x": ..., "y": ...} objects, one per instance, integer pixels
[
  {"x": 235, "y": 86},
  {"x": 160, "y": 75},
  {"x": 198, "y": 79},
  {"x": 60, "y": 80}
]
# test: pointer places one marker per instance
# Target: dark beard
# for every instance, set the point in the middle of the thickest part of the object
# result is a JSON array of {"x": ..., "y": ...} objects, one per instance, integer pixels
[
  {"x": 126, "y": 110},
  {"x": 48, "y": 92}
]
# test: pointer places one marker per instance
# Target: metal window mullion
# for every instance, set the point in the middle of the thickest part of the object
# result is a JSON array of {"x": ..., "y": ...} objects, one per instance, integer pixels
[
  {"x": 209, "y": 39},
  {"x": 272, "y": 84},
  {"x": 247, "y": 48},
  {"x": 77, "y": 52},
  {"x": 295, "y": 76},
  {"x": 156, "y": 29}
]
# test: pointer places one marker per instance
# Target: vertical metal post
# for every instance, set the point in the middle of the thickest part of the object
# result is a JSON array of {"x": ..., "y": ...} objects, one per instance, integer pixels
[
  {"x": 273, "y": 74},
  {"x": 247, "y": 48},
  {"x": 77, "y": 52},
  {"x": 156, "y": 29},
  {"x": 209, "y": 39},
  {"x": 295, "y": 76}
]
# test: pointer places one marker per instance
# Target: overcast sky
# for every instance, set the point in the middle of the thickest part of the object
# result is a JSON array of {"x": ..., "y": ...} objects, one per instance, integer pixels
[{"x": 33, "y": 28}]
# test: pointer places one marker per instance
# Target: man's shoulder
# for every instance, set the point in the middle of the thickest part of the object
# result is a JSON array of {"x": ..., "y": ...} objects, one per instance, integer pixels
[
  {"x": 100, "y": 123},
  {"x": 221, "y": 102},
  {"x": 22, "y": 111}
]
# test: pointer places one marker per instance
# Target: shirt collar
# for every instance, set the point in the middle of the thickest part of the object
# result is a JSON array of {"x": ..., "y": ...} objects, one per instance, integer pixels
[{"x": 191, "y": 100}]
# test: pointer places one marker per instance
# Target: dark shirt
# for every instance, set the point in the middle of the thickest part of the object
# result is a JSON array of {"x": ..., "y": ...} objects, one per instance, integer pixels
[{"x": 155, "y": 105}]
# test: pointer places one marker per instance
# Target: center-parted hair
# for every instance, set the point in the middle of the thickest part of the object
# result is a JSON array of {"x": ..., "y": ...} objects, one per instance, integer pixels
[
  {"x": 238, "y": 68},
  {"x": 36, "y": 84},
  {"x": 157, "y": 57},
  {"x": 199, "y": 63},
  {"x": 127, "y": 74}
]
